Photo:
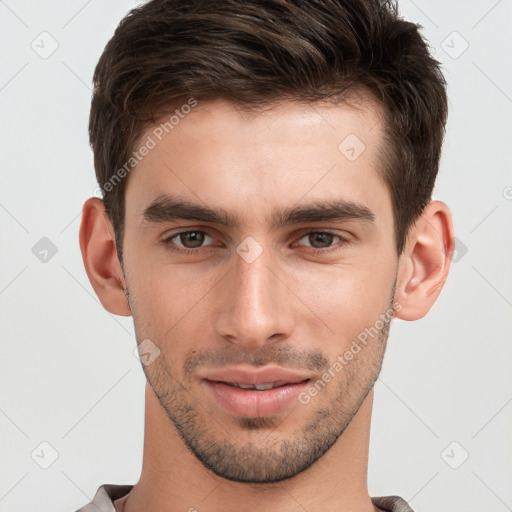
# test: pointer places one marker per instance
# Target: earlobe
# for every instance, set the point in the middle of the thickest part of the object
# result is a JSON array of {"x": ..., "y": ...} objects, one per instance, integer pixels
[
  {"x": 424, "y": 265},
  {"x": 99, "y": 255}
]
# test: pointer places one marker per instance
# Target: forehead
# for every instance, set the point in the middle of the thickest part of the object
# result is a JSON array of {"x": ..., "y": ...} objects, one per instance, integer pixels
[{"x": 250, "y": 162}]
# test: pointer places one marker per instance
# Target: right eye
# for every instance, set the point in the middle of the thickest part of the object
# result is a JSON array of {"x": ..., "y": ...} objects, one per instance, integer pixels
[{"x": 191, "y": 240}]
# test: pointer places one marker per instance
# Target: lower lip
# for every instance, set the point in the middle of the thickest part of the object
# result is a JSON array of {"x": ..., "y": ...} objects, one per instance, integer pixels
[{"x": 251, "y": 403}]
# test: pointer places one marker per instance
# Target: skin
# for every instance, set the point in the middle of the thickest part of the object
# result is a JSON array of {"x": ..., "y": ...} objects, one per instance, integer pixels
[{"x": 295, "y": 305}]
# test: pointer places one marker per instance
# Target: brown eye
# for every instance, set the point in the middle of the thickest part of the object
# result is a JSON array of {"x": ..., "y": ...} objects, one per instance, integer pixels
[
  {"x": 192, "y": 239},
  {"x": 186, "y": 241},
  {"x": 320, "y": 239}
]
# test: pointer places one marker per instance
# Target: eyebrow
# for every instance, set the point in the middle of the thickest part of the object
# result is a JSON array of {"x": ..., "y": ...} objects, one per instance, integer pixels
[{"x": 166, "y": 208}]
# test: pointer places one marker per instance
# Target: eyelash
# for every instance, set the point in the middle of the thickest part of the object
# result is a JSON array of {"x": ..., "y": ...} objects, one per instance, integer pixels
[{"x": 171, "y": 246}]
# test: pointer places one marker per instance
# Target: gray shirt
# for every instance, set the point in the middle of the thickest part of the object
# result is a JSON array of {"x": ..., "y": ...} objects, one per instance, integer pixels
[{"x": 108, "y": 493}]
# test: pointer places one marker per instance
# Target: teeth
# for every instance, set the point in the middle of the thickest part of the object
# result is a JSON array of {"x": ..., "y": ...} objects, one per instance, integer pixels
[
  {"x": 259, "y": 387},
  {"x": 262, "y": 387}
]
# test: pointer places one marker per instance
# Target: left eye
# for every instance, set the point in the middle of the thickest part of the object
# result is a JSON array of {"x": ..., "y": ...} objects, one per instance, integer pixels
[{"x": 324, "y": 238}]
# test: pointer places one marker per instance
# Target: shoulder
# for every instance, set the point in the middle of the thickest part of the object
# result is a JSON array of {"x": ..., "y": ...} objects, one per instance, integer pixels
[
  {"x": 104, "y": 498},
  {"x": 391, "y": 504}
]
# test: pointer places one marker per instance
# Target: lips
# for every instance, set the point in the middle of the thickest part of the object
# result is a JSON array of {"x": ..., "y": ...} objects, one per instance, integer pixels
[
  {"x": 255, "y": 393},
  {"x": 259, "y": 387},
  {"x": 243, "y": 377}
]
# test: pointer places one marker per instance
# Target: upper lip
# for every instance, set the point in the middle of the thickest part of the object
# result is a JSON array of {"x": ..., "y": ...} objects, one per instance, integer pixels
[{"x": 266, "y": 375}]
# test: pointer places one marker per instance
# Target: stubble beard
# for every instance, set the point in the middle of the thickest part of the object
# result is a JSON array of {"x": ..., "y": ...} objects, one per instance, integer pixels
[{"x": 273, "y": 458}]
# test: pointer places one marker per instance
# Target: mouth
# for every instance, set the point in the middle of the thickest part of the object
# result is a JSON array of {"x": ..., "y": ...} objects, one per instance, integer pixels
[
  {"x": 255, "y": 400},
  {"x": 262, "y": 386}
]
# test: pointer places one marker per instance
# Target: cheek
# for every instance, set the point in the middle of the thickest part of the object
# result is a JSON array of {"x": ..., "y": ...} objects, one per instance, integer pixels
[
  {"x": 344, "y": 301},
  {"x": 169, "y": 301}
]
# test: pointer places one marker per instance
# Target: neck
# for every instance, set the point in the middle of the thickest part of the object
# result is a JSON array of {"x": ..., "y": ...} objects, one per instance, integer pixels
[{"x": 173, "y": 479}]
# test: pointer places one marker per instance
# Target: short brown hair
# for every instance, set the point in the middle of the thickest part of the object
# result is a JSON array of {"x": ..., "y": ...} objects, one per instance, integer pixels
[{"x": 255, "y": 53}]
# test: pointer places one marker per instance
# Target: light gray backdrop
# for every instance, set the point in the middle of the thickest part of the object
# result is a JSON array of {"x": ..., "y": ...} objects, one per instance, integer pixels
[{"x": 71, "y": 408}]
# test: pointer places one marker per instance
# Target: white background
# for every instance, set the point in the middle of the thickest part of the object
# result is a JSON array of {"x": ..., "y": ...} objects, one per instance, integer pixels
[{"x": 68, "y": 374}]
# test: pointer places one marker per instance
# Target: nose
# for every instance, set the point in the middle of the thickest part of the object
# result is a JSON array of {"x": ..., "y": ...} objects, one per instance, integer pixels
[{"x": 255, "y": 304}]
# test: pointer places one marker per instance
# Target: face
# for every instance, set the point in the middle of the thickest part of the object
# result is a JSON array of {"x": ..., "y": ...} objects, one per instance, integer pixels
[{"x": 254, "y": 243}]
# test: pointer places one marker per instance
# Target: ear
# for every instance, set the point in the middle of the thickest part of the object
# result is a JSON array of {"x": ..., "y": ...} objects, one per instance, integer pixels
[
  {"x": 99, "y": 254},
  {"x": 424, "y": 264}
]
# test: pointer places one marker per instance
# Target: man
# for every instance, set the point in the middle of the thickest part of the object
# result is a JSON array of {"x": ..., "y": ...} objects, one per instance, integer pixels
[{"x": 267, "y": 170}]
